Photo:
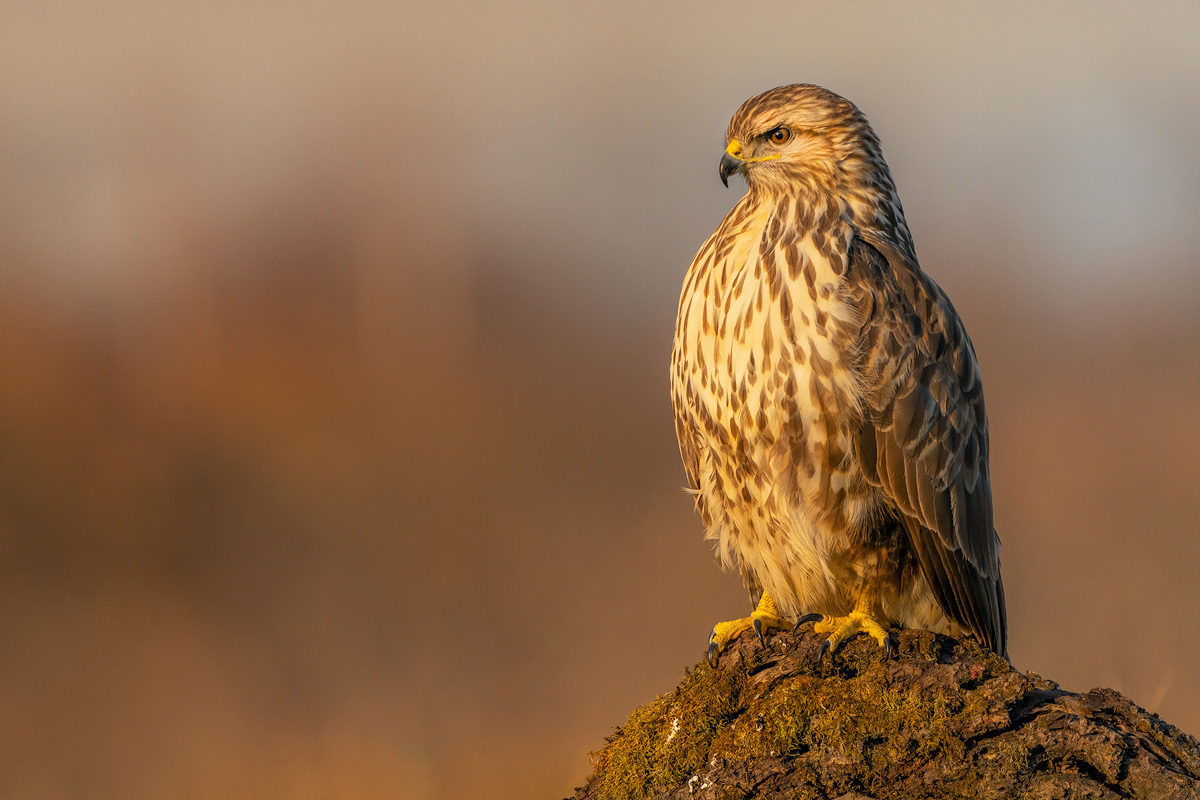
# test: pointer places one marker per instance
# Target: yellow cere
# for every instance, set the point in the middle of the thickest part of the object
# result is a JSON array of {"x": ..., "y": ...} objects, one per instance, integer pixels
[{"x": 735, "y": 149}]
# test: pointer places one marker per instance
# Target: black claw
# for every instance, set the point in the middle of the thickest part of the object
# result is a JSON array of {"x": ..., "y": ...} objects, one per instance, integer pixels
[
  {"x": 807, "y": 618},
  {"x": 713, "y": 652},
  {"x": 821, "y": 653},
  {"x": 758, "y": 628},
  {"x": 888, "y": 646}
]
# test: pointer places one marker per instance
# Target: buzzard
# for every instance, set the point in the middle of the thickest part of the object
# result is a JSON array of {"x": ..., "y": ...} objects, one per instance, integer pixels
[{"x": 827, "y": 397}]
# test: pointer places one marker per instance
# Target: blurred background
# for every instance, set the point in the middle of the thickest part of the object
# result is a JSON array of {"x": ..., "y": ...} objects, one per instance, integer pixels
[{"x": 336, "y": 453}]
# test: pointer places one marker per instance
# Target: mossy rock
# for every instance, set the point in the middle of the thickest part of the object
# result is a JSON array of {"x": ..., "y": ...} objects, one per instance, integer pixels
[{"x": 942, "y": 718}]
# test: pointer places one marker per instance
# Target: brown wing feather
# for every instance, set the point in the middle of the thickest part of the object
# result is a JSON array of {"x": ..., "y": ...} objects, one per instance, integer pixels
[{"x": 924, "y": 439}]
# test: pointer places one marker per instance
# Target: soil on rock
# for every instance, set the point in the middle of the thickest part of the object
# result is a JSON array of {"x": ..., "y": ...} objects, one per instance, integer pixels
[{"x": 942, "y": 718}]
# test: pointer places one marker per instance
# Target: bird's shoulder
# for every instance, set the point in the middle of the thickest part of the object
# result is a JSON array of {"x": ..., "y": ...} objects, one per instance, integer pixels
[
  {"x": 922, "y": 392},
  {"x": 909, "y": 328}
]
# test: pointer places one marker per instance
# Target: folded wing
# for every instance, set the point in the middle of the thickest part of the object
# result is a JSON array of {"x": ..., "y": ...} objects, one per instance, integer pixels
[{"x": 924, "y": 437}]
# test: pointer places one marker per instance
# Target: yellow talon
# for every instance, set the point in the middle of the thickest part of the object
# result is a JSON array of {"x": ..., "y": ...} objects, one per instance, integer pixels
[
  {"x": 764, "y": 617},
  {"x": 860, "y": 620}
]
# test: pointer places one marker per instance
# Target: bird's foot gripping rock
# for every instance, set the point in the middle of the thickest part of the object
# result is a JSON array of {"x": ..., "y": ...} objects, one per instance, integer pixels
[
  {"x": 763, "y": 618},
  {"x": 839, "y": 629}
]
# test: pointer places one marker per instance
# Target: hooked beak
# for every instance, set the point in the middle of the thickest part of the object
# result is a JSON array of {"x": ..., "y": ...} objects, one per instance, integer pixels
[
  {"x": 731, "y": 162},
  {"x": 730, "y": 165}
]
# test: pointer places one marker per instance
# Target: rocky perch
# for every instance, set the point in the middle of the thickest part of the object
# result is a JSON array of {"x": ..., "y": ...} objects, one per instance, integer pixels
[{"x": 941, "y": 719}]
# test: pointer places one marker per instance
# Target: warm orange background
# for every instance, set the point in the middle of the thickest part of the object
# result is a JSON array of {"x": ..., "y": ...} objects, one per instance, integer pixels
[{"x": 336, "y": 456}]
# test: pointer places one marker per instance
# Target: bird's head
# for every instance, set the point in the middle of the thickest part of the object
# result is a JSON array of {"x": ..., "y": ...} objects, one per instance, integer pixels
[{"x": 802, "y": 135}]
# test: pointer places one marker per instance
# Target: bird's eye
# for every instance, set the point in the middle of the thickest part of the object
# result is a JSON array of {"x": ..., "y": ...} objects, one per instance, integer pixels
[{"x": 779, "y": 136}]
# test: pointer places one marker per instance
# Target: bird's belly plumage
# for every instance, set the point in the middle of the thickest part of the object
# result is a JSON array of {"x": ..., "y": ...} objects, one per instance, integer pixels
[{"x": 764, "y": 377}]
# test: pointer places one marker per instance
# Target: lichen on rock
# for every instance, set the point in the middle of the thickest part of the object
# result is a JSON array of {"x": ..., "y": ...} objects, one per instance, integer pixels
[{"x": 943, "y": 718}]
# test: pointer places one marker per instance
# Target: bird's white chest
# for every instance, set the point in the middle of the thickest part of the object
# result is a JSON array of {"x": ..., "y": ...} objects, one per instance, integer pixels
[
  {"x": 763, "y": 335},
  {"x": 767, "y": 395},
  {"x": 765, "y": 388}
]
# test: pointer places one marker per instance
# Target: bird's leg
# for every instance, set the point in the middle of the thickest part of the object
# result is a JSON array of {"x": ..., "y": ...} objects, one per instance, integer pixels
[
  {"x": 863, "y": 619},
  {"x": 764, "y": 617}
]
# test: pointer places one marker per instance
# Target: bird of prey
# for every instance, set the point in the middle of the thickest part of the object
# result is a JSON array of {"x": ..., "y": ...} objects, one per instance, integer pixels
[{"x": 827, "y": 398}]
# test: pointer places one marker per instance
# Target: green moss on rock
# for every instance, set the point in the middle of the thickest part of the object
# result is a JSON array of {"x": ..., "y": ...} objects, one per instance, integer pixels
[
  {"x": 665, "y": 741},
  {"x": 942, "y": 719}
]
